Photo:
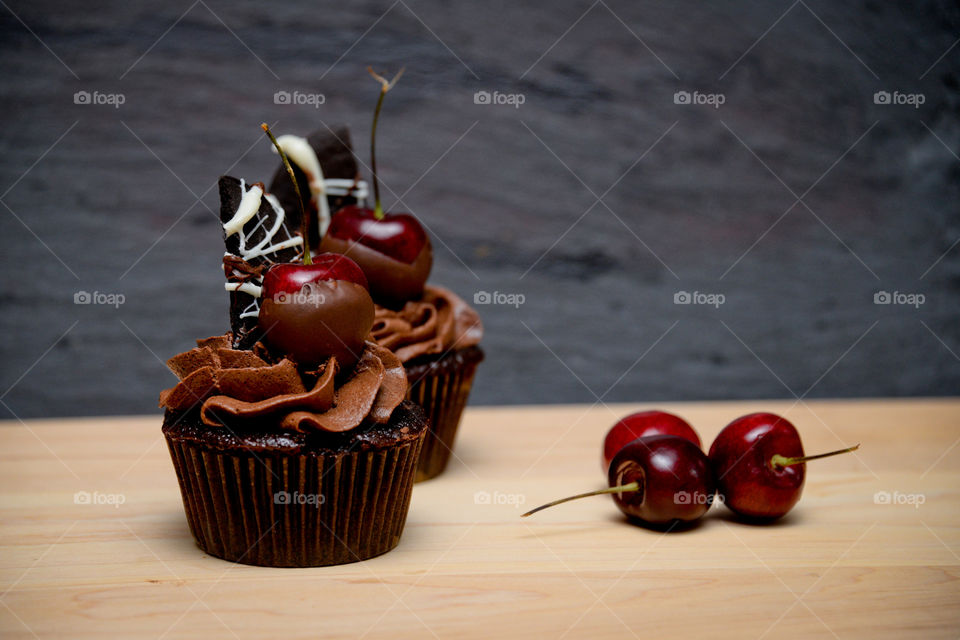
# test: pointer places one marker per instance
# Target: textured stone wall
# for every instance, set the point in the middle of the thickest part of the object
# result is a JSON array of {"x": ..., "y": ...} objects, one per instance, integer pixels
[{"x": 778, "y": 181}]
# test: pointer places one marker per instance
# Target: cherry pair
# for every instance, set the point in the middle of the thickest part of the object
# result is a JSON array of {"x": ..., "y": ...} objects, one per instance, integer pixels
[{"x": 658, "y": 474}]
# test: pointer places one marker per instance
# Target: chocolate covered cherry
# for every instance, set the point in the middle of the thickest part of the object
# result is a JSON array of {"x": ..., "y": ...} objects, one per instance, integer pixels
[
  {"x": 391, "y": 248},
  {"x": 310, "y": 312}
]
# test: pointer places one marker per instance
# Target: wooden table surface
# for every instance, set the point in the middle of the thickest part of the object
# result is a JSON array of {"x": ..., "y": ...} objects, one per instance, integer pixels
[{"x": 870, "y": 551}]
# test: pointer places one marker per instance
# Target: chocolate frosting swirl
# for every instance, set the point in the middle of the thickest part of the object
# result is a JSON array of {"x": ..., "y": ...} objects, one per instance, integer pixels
[
  {"x": 240, "y": 388},
  {"x": 435, "y": 323}
]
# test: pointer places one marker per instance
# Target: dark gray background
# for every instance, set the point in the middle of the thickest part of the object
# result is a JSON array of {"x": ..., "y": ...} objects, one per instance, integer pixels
[{"x": 121, "y": 200}]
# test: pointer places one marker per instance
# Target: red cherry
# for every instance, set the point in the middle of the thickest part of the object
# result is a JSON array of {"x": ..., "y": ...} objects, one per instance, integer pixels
[
  {"x": 290, "y": 277},
  {"x": 392, "y": 248},
  {"x": 657, "y": 480},
  {"x": 759, "y": 464},
  {"x": 644, "y": 423},
  {"x": 393, "y": 251},
  {"x": 397, "y": 235},
  {"x": 673, "y": 476},
  {"x": 312, "y": 312}
]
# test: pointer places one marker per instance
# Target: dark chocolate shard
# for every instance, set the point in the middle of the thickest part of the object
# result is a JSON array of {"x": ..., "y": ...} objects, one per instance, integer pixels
[
  {"x": 269, "y": 237},
  {"x": 335, "y": 154}
]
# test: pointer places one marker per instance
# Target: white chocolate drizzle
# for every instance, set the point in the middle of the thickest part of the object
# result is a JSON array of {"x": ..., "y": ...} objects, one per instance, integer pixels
[
  {"x": 302, "y": 154},
  {"x": 263, "y": 248},
  {"x": 347, "y": 187},
  {"x": 252, "y": 310},
  {"x": 249, "y": 205},
  {"x": 254, "y": 290},
  {"x": 247, "y": 210}
]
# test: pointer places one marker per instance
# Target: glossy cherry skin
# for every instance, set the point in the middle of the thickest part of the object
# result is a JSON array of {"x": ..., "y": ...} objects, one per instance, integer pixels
[
  {"x": 310, "y": 313},
  {"x": 676, "y": 482},
  {"x": 397, "y": 235},
  {"x": 644, "y": 423},
  {"x": 290, "y": 277},
  {"x": 394, "y": 252},
  {"x": 746, "y": 478}
]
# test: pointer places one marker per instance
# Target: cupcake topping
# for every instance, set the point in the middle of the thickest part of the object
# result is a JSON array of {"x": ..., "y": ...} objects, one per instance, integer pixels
[
  {"x": 330, "y": 150},
  {"x": 392, "y": 280},
  {"x": 303, "y": 155},
  {"x": 311, "y": 312},
  {"x": 239, "y": 388},
  {"x": 392, "y": 248},
  {"x": 436, "y": 323},
  {"x": 257, "y": 234},
  {"x": 249, "y": 205},
  {"x": 300, "y": 152}
]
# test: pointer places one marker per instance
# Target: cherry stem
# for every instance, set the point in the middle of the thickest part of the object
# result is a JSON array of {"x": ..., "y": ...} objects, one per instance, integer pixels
[
  {"x": 385, "y": 85},
  {"x": 783, "y": 461},
  {"x": 296, "y": 188},
  {"x": 626, "y": 488}
]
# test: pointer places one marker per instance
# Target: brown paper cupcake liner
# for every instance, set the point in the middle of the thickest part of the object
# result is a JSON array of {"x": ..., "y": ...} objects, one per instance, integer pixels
[
  {"x": 295, "y": 510},
  {"x": 442, "y": 388}
]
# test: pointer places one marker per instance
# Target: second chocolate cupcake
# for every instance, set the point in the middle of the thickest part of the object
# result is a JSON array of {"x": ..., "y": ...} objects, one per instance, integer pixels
[{"x": 436, "y": 337}]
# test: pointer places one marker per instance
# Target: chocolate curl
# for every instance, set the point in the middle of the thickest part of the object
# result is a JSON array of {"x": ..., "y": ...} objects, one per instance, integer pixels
[
  {"x": 318, "y": 399},
  {"x": 215, "y": 368},
  {"x": 233, "y": 264},
  {"x": 241, "y": 387}
]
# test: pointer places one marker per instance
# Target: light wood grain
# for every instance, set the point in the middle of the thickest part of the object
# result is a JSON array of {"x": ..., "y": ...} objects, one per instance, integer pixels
[{"x": 839, "y": 565}]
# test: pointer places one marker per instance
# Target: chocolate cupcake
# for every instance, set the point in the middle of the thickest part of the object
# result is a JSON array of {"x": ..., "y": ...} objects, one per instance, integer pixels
[
  {"x": 283, "y": 468},
  {"x": 290, "y": 435},
  {"x": 432, "y": 330}
]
